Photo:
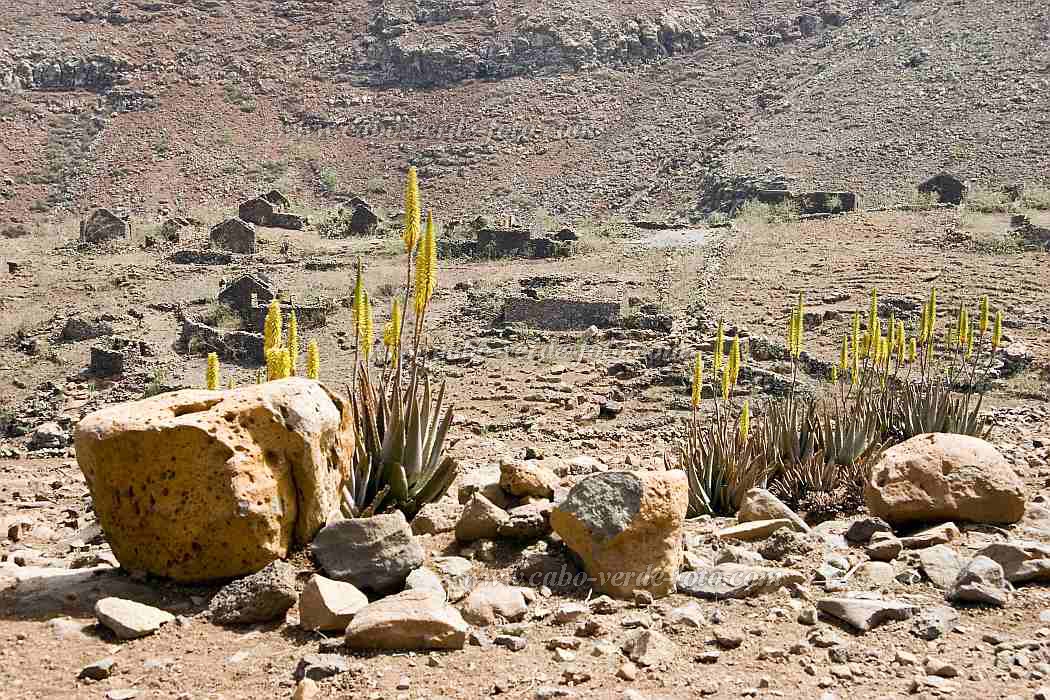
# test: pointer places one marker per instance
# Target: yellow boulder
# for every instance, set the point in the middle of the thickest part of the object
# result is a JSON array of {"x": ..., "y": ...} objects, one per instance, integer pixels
[
  {"x": 197, "y": 485},
  {"x": 626, "y": 528}
]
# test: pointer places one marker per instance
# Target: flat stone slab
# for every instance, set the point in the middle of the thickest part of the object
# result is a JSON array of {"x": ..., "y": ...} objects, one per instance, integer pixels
[
  {"x": 866, "y": 613},
  {"x": 735, "y": 581},
  {"x": 412, "y": 620},
  {"x": 130, "y": 620},
  {"x": 755, "y": 530}
]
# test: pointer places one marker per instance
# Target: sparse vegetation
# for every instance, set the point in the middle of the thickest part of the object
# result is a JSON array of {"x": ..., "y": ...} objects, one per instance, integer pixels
[
  {"x": 1036, "y": 197},
  {"x": 986, "y": 200},
  {"x": 329, "y": 181},
  {"x": 887, "y": 386},
  {"x": 922, "y": 201},
  {"x": 755, "y": 212}
]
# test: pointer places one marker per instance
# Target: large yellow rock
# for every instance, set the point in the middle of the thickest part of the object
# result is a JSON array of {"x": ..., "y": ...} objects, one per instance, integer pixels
[
  {"x": 626, "y": 528},
  {"x": 198, "y": 485}
]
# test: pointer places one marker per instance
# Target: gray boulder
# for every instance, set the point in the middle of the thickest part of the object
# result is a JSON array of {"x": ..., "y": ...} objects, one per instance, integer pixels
[
  {"x": 262, "y": 597},
  {"x": 982, "y": 582},
  {"x": 375, "y": 554}
]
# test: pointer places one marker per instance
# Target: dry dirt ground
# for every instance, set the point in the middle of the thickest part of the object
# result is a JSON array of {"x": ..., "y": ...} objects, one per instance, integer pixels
[{"x": 513, "y": 390}]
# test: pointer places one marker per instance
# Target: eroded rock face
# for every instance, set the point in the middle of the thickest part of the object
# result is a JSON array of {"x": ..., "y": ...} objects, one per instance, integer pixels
[
  {"x": 197, "y": 485},
  {"x": 944, "y": 477},
  {"x": 626, "y": 527}
]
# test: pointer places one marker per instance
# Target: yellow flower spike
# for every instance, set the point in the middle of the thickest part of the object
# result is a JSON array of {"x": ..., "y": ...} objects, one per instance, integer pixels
[
  {"x": 997, "y": 331},
  {"x": 313, "y": 361},
  {"x": 293, "y": 343},
  {"x": 745, "y": 421},
  {"x": 983, "y": 324},
  {"x": 698, "y": 379},
  {"x": 891, "y": 330},
  {"x": 856, "y": 333},
  {"x": 720, "y": 340},
  {"x": 286, "y": 363},
  {"x": 734, "y": 361},
  {"x": 969, "y": 344},
  {"x": 367, "y": 329},
  {"x": 964, "y": 325},
  {"x": 426, "y": 268},
  {"x": 725, "y": 382},
  {"x": 357, "y": 308},
  {"x": 273, "y": 364},
  {"x": 211, "y": 377},
  {"x": 272, "y": 326},
  {"x": 231, "y": 383},
  {"x": 855, "y": 371},
  {"x": 413, "y": 210},
  {"x": 912, "y": 348},
  {"x": 835, "y": 374},
  {"x": 873, "y": 319},
  {"x": 391, "y": 331}
]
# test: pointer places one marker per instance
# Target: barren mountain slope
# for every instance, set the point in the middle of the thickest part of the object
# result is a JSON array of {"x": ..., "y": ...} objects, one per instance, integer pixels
[{"x": 578, "y": 108}]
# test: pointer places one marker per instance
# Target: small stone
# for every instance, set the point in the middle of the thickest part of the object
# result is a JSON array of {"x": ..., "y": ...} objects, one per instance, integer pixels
[
  {"x": 570, "y": 612},
  {"x": 510, "y": 642},
  {"x": 329, "y": 605},
  {"x": 906, "y": 659},
  {"x": 688, "y": 615},
  {"x": 727, "y": 639},
  {"x": 941, "y": 565},
  {"x": 649, "y": 648},
  {"x": 980, "y": 581},
  {"x": 627, "y": 671},
  {"x": 936, "y": 667},
  {"x": 404, "y": 683},
  {"x": 941, "y": 534},
  {"x": 261, "y": 597},
  {"x": 307, "y": 689},
  {"x": 130, "y": 620},
  {"x": 934, "y": 623},
  {"x": 564, "y": 654},
  {"x": 883, "y": 546},
  {"x": 861, "y": 531},
  {"x": 492, "y": 602},
  {"x": 754, "y": 530},
  {"x": 99, "y": 670},
  {"x": 317, "y": 667},
  {"x": 865, "y": 613},
  {"x": 709, "y": 657}
]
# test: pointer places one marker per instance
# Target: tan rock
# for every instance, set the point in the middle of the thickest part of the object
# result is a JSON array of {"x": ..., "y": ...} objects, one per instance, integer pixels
[
  {"x": 307, "y": 689},
  {"x": 626, "y": 527},
  {"x": 939, "y": 476},
  {"x": 197, "y": 485},
  {"x": 411, "y": 620},
  {"x": 527, "y": 479},
  {"x": 491, "y": 602},
  {"x": 481, "y": 519},
  {"x": 754, "y": 530},
  {"x": 759, "y": 504},
  {"x": 328, "y": 605}
]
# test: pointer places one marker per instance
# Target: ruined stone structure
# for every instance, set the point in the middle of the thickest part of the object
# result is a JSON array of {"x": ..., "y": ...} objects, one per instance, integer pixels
[
  {"x": 562, "y": 314},
  {"x": 234, "y": 235},
  {"x": 103, "y": 225}
]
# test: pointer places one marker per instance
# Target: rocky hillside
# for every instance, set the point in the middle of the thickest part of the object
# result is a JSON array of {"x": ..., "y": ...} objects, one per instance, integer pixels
[{"x": 580, "y": 109}]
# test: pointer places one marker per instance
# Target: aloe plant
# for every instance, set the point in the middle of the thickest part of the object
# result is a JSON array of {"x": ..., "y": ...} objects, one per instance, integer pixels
[
  {"x": 398, "y": 460},
  {"x": 721, "y": 465},
  {"x": 935, "y": 408}
]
